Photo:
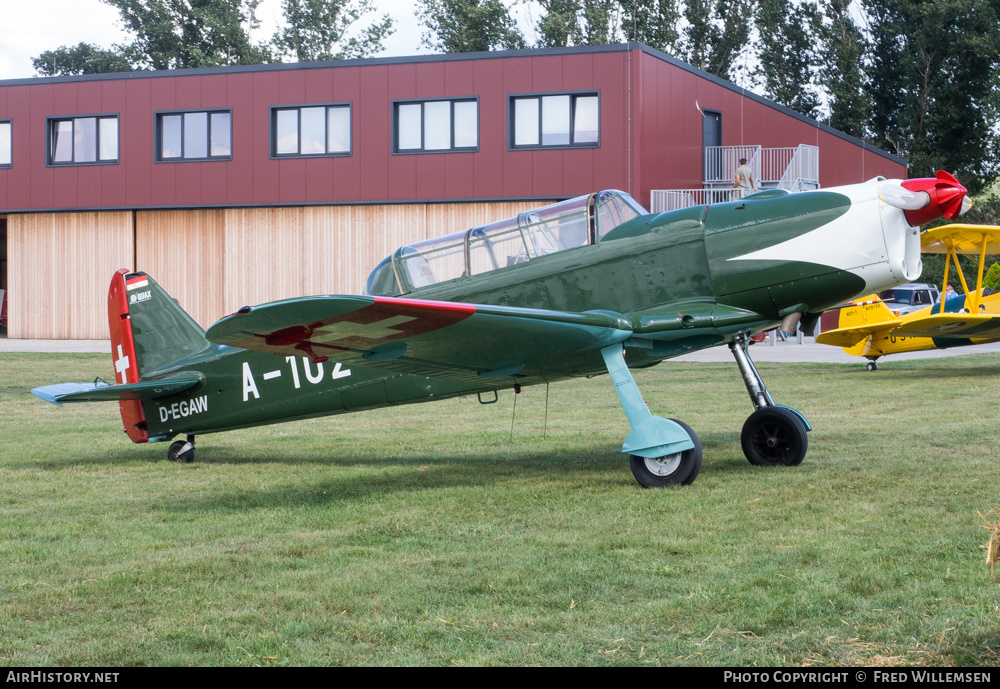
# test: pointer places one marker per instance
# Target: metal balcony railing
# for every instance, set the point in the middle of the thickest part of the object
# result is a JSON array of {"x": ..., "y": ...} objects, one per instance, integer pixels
[
  {"x": 662, "y": 200},
  {"x": 793, "y": 168}
]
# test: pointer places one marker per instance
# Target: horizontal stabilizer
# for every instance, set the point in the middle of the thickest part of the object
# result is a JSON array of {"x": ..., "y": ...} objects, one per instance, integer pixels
[
  {"x": 848, "y": 337},
  {"x": 105, "y": 392}
]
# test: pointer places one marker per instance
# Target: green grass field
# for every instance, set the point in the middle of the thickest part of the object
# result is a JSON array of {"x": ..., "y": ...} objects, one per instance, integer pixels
[{"x": 425, "y": 535}]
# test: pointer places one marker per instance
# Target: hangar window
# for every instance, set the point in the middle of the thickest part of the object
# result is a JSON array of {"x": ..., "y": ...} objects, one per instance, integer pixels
[
  {"x": 311, "y": 130},
  {"x": 90, "y": 140},
  {"x": 5, "y": 143},
  {"x": 558, "y": 120},
  {"x": 436, "y": 126},
  {"x": 200, "y": 135}
]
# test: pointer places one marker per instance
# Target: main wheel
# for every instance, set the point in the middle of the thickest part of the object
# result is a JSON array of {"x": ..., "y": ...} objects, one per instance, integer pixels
[
  {"x": 872, "y": 366},
  {"x": 174, "y": 453},
  {"x": 668, "y": 470},
  {"x": 774, "y": 436}
]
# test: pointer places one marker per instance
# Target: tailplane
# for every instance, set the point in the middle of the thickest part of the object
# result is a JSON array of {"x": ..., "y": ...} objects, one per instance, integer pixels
[
  {"x": 150, "y": 334},
  {"x": 859, "y": 320}
]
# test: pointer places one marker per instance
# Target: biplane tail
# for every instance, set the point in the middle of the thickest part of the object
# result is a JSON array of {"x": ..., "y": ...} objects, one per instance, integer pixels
[
  {"x": 150, "y": 335},
  {"x": 866, "y": 311},
  {"x": 858, "y": 322}
]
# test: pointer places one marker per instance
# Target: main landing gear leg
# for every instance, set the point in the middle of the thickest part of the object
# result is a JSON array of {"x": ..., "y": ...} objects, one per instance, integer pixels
[
  {"x": 773, "y": 435},
  {"x": 181, "y": 451},
  {"x": 662, "y": 452}
]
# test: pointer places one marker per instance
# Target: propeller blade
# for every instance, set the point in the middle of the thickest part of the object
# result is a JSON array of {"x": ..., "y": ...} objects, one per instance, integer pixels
[{"x": 902, "y": 198}]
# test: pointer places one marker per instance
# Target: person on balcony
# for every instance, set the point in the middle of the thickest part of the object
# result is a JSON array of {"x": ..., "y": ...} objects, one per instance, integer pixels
[{"x": 744, "y": 181}]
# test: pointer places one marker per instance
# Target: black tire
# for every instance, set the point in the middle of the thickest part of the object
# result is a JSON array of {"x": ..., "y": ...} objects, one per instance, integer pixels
[
  {"x": 872, "y": 366},
  {"x": 174, "y": 453},
  {"x": 670, "y": 470},
  {"x": 774, "y": 436}
]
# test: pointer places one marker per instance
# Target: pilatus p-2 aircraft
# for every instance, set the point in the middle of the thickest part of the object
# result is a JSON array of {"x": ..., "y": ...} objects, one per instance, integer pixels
[{"x": 590, "y": 285}]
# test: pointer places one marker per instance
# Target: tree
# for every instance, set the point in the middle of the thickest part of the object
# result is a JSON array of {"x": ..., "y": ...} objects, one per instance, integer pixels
[
  {"x": 933, "y": 84},
  {"x": 84, "y": 58},
  {"x": 578, "y": 22},
  {"x": 716, "y": 36},
  {"x": 465, "y": 26},
  {"x": 653, "y": 22},
  {"x": 168, "y": 34},
  {"x": 558, "y": 25},
  {"x": 788, "y": 53},
  {"x": 173, "y": 34},
  {"x": 318, "y": 30},
  {"x": 842, "y": 51}
]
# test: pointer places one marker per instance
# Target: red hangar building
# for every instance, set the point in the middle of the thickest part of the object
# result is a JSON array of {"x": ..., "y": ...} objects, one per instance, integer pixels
[{"x": 241, "y": 185}]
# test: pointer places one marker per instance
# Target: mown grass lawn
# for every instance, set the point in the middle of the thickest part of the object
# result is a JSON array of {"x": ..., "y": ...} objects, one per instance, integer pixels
[{"x": 426, "y": 535}]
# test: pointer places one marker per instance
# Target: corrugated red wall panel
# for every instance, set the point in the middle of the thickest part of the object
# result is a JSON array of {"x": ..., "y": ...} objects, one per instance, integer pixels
[{"x": 650, "y": 133}]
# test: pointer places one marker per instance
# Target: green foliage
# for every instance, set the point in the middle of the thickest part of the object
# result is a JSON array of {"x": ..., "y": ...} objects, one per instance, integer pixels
[
  {"x": 599, "y": 22},
  {"x": 84, "y": 58},
  {"x": 717, "y": 35},
  {"x": 320, "y": 30},
  {"x": 466, "y": 26},
  {"x": 431, "y": 535},
  {"x": 789, "y": 53},
  {"x": 653, "y": 22},
  {"x": 174, "y": 34},
  {"x": 933, "y": 84},
  {"x": 842, "y": 49},
  {"x": 985, "y": 207},
  {"x": 985, "y": 211}
]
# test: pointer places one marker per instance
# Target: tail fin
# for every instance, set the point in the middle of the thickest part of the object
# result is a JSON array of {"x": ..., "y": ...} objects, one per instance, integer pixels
[
  {"x": 149, "y": 333},
  {"x": 865, "y": 311}
]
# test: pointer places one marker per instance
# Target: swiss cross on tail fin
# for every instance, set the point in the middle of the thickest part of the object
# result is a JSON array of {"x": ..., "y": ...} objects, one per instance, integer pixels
[{"x": 123, "y": 349}]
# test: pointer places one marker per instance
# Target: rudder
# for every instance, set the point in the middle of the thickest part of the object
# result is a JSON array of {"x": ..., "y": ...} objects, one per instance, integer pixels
[
  {"x": 864, "y": 311},
  {"x": 149, "y": 333}
]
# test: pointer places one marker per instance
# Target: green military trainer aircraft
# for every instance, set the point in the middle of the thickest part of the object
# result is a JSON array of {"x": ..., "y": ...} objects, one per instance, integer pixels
[{"x": 590, "y": 285}]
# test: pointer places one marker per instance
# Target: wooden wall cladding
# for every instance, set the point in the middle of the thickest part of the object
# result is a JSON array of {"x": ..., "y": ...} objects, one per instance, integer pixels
[
  {"x": 59, "y": 269},
  {"x": 184, "y": 251},
  {"x": 212, "y": 261}
]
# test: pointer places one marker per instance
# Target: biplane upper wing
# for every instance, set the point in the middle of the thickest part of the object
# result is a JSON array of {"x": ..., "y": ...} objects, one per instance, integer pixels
[
  {"x": 445, "y": 339},
  {"x": 965, "y": 239}
]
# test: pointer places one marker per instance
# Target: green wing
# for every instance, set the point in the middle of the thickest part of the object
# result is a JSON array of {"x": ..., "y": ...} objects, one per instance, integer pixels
[{"x": 445, "y": 339}]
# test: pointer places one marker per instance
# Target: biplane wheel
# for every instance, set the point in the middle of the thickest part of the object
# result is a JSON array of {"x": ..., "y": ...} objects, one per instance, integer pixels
[
  {"x": 872, "y": 366},
  {"x": 174, "y": 453},
  {"x": 668, "y": 470},
  {"x": 774, "y": 436}
]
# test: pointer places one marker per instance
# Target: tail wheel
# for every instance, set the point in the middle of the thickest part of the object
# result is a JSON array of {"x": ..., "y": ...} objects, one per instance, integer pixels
[
  {"x": 668, "y": 470},
  {"x": 774, "y": 436},
  {"x": 181, "y": 451}
]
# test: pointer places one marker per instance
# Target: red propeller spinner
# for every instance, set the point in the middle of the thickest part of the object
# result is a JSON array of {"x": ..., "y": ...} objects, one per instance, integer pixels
[{"x": 944, "y": 197}]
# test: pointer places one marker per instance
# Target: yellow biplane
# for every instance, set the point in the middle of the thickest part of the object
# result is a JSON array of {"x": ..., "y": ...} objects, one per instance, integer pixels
[{"x": 869, "y": 328}]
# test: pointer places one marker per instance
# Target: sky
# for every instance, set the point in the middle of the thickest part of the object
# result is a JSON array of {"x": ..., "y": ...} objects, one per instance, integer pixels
[{"x": 30, "y": 27}]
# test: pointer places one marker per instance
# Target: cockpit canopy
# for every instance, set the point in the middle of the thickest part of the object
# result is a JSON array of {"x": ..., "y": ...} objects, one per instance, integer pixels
[{"x": 532, "y": 234}]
